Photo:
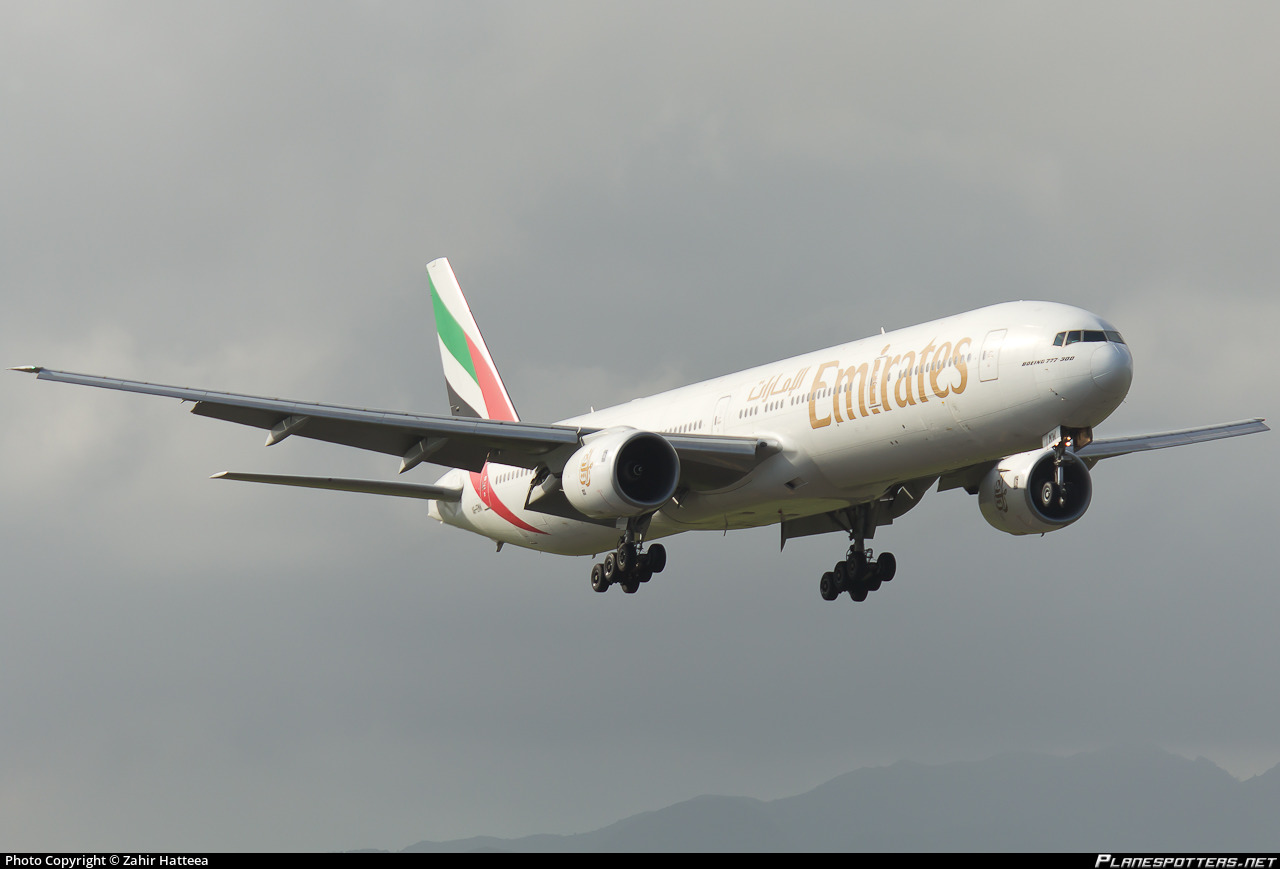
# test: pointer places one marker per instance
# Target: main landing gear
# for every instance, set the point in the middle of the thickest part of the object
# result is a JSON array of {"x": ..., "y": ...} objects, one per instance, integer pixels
[
  {"x": 858, "y": 574},
  {"x": 628, "y": 567}
]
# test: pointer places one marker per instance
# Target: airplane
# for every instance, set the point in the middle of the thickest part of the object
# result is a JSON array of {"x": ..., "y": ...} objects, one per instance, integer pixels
[{"x": 1001, "y": 402}]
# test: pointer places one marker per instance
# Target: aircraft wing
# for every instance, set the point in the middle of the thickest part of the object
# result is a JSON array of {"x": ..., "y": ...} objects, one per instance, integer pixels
[
  {"x": 458, "y": 442},
  {"x": 1105, "y": 448}
]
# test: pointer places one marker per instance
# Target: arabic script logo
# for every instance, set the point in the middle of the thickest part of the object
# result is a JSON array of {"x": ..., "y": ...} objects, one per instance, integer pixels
[{"x": 999, "y": 493}]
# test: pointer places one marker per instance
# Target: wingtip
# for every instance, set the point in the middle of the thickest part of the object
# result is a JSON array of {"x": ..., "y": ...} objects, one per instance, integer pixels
[
  {"x": 28, "y": 369},
  {"x": 219, "y": 475}
]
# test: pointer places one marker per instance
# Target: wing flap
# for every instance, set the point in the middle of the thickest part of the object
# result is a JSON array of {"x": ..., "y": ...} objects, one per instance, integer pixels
[
  {"x": 383, "y": 438},
  {"x": 709, "y": 462}
]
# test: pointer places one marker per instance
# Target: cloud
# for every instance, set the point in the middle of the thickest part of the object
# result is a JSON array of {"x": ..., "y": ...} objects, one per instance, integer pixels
[{"x": 634, "y": 196}]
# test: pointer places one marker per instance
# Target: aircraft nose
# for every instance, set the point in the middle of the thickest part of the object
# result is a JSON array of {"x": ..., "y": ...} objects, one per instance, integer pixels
[{"x": 1112, "y": 369}]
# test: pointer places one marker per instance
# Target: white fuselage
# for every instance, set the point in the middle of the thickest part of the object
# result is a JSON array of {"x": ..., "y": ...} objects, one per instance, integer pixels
[{"x": 852, "y": 420}]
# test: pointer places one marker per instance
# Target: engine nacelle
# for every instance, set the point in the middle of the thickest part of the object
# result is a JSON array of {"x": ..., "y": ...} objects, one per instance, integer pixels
[
  {"x": 1021, "y": 494},
  {"x": 621, "y": 472}
]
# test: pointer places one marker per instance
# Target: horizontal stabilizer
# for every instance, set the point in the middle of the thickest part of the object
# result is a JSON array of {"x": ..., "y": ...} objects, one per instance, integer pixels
[{"x": 371, "y": 487}]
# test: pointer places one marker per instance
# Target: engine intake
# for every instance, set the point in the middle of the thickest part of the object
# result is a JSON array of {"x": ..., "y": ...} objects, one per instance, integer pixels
[
  {"x": 621, "y": 472},
  {"x": 1022, "y": 494}
]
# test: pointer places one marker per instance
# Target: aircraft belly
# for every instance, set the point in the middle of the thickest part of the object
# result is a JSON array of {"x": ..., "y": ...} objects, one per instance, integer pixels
[
  {"x": 723, "y": 514},
  {"x": 786, "y": 486}
]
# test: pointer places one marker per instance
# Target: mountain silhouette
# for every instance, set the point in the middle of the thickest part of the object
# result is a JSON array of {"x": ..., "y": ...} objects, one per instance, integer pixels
[{"x": 1122, "y": 799}]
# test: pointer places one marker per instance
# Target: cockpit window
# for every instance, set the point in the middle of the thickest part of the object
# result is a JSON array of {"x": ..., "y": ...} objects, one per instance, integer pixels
[{"x": 1096, "y": 336}]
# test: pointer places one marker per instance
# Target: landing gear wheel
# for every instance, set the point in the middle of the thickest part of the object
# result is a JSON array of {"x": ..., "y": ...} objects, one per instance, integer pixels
[
  {"x": 842, "y": 576},
  {"x": 858, "y": 564},
  {"x": 1046, "y": 495},
  {"x": 858, "y": 593},
  {"x": 626, "y": 556},
  {"x": 886, "y": 566},
  {"x": 827, "y": 586},
  {"x": 598, "y": 582},
  {"x": 610, "y": 567},
  {"x": 873, "y": 580},
  {"x": 630, "y": 584},
  {"x": 643, "y": 573},
  {"x": 657, "y": 557}
]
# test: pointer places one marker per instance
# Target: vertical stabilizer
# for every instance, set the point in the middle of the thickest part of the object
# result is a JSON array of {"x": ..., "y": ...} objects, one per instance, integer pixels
[{"x": 475, "y": 387}]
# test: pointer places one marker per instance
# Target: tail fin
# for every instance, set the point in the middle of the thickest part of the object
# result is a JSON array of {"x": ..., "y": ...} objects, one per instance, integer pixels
[{"x": 475, "y": 387}]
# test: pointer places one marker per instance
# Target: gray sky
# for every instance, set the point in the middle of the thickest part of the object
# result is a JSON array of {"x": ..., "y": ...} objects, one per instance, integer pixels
[{"x": 634, "y": 196}]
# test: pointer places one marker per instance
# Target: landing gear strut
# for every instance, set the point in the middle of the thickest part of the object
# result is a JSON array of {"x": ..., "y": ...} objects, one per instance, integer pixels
[
  {"x": 628, "y": 565},
  {"x": 858, "y": 574},
  {"x": 1056, "y": 490}
]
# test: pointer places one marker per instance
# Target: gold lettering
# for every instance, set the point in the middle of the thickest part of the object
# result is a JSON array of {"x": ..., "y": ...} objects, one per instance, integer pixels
[
  {"x": 846, "y": 378},
  {"x": 884, "y": 379},
  {"x": 924, "y": 354},
  {"x": 961, "y": 366},
  {"x": 819, "y": 383},
  {"x": 871, "y": 388},
  {"x": 890, "y": 376},
  {"x": 798, "y": 378},
  {"x": 938, "y": 361},
  {"x": 902, "y": 392},
  {"x": 779, "y": 385}
]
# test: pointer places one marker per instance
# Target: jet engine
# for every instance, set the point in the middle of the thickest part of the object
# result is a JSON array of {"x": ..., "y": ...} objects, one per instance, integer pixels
[
  {"x": 1035, "y": 492},
  {"x": 621, "y": 472}
]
